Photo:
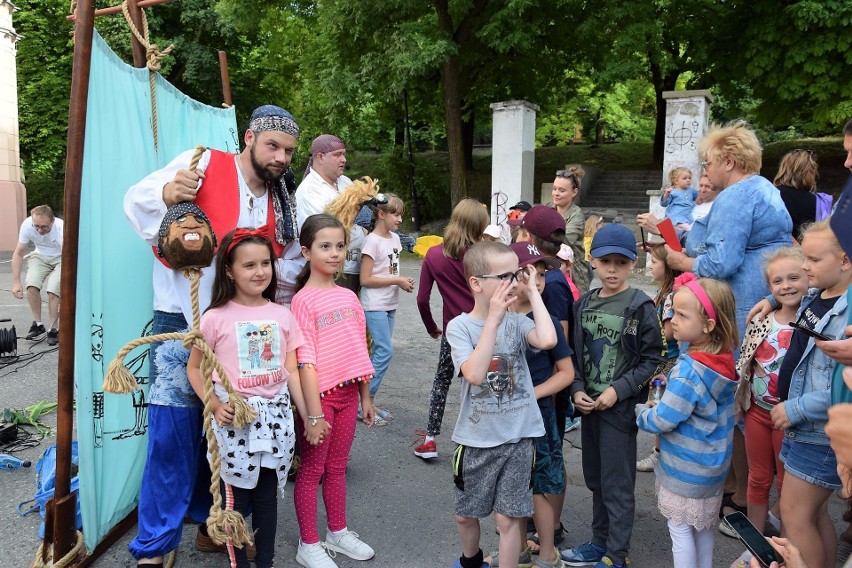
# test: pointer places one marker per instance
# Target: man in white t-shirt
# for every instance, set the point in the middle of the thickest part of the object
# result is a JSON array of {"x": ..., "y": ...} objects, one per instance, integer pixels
[
  {"x": 323, "y": 180},
  {"x": 44, "y": 268}
]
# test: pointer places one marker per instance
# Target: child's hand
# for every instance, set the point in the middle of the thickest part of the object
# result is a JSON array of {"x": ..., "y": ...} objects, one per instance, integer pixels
[
  {"x": 406, "y": 283},
  {"x": 531, "y": 281},
  {"x": 606, "y": 399},
  {"x": 583, "y": 402},
  {"x": 760, "y": 309},
  {"x": 667, "y": 192},
  {"x": 368, "y": 411},
  {"x": 224, "y": 413},
  {"x": 660, "y": 377},
  {"x": 501, "y": 300},
  {"x": 778, "y": 414},
  {"x": 436, "y": 334},
  {"x": 315, "y": 435}
]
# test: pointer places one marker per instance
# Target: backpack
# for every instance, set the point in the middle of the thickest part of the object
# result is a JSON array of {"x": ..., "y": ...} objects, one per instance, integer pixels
[
  {"x": 46, "y": 483},
  {"x": 823, "y": 206}
]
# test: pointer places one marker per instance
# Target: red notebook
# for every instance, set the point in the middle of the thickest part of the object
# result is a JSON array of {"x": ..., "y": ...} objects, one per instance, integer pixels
[{"x": 667, "y": 231}]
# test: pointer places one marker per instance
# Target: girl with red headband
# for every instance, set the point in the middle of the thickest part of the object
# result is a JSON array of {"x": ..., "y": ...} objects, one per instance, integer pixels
[
  {"x": 695, "y": 418},
  {"x": 255, "y": 339}
]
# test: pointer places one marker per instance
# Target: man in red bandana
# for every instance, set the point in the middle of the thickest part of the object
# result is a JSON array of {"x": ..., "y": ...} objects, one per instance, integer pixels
[{"x": 255, "y": 188}]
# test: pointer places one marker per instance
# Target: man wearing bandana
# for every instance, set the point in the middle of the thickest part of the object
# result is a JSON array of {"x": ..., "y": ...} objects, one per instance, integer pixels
[
  {"x": 323, "y": 180},
  {"x": 255, "y": 188}
]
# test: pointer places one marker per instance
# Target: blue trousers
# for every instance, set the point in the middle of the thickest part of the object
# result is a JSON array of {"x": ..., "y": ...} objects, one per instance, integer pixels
[
  {"x": 380, "y": 326},
  {"x": 176, "y": 478}
]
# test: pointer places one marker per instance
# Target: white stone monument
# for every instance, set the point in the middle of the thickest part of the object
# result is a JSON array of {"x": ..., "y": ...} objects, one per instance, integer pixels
[
  {"x": 13, "y": 196},
  {"x": 687, "y": 115},
  {"x": 512, "y": 158}
]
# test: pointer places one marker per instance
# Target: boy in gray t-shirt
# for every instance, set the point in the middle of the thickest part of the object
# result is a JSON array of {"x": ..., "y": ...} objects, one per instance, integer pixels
[{"x": 499, "y": 415}]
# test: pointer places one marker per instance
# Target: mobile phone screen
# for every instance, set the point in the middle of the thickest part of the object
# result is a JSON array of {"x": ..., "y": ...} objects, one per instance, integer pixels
[
  {"x": 753, "y": 540},
  {"x": 809, "y": 332}
]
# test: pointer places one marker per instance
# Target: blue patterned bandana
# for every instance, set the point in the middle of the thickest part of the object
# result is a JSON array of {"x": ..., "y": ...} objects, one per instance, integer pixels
[{"x": 273, "y": 118}]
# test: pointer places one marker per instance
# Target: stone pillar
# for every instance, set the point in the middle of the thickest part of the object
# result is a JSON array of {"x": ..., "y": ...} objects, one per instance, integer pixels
[
  {"x": 512, "y": 158},
  {"x": 13, "y": 196},
  {"x": 687, "y": 114}
]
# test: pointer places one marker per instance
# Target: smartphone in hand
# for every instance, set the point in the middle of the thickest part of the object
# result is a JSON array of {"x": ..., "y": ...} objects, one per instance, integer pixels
[
  {"x": 809, "y": 332},
  {"x": 754, "y": 541}
]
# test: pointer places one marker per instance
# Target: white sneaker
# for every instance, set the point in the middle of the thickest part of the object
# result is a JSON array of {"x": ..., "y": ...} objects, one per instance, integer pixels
[
  {"x": 349, "y": 544},
  {"x": 647, "y": 464},
  {"x": 314, "y": 556}
]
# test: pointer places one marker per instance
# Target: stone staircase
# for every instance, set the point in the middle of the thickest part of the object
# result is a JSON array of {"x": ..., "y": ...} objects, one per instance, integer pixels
[{"x": 621, "y": 194}]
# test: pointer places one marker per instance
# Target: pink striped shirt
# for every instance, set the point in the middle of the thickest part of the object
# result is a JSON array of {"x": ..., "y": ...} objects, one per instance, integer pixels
[{"x": 335, "y": 332}]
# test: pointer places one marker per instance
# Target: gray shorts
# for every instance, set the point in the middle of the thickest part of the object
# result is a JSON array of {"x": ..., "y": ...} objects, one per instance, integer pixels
[{"x": 494, "y": 480}]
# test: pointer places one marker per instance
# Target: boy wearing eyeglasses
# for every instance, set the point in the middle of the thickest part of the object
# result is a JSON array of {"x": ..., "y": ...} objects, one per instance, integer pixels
[
  {"x": 43, "y": 230},
  {"x": 499, "y": 417}
]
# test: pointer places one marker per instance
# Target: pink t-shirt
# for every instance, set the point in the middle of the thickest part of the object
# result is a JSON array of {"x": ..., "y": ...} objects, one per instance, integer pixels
[
  {"x": 385, "y": 255},
  {"x": 335, "y": 332},
  {"x": 252, "y": 343}
]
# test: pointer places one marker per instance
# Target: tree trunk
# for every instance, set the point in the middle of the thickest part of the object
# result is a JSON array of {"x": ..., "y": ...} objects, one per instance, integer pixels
[
  {"x": 453, "y": 119},
  {"x": 661, "y": 83},
  {"x": 467, "y": 128}
]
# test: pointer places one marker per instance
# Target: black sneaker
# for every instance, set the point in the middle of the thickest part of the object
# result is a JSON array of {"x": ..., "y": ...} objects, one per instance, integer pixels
[
  {"x": 37, "y": 331},
  {"x": 53, "y": 337}
]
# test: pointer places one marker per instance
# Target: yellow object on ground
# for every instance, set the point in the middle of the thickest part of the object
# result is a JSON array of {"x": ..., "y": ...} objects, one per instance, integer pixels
[{"x": 426, "y": 242}]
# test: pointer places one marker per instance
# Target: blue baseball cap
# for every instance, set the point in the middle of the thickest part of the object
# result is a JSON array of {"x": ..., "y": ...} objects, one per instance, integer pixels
[{"x": 614, "y": 239}]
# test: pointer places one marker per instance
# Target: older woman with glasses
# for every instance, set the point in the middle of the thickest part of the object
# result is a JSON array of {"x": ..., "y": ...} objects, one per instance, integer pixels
[
  {"x": 797, "y": 182},
  {"x": 566, "y": 186},
  {"x": 747, "y": 221}
]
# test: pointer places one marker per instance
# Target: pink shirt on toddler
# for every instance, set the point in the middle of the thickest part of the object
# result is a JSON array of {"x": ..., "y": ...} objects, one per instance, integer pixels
[
  {"x": 335, "y": 331},
  {"x": 260, "y": 336}
]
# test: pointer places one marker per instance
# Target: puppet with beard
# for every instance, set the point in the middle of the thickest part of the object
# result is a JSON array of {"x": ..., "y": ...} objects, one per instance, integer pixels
[{"x": 186, "y": 237}]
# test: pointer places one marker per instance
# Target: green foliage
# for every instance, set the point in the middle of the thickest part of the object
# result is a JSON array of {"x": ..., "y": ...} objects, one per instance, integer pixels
[{"x": 796, "y": 59}]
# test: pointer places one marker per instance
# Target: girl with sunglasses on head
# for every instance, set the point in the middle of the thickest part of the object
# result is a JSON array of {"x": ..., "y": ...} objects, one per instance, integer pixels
[{"x": 566, "y": 187}]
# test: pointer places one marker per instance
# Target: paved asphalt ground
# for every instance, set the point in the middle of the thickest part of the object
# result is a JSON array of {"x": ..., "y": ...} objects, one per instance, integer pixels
[{"x": 399, "y": 504}]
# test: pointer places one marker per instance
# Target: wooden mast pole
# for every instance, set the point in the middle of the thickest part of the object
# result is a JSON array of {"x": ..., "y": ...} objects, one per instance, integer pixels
[{"x": 65, "y": 502}]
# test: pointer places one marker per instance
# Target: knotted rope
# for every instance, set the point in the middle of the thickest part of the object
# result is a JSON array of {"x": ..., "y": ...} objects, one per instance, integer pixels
[{"x": 153, "y": 56}]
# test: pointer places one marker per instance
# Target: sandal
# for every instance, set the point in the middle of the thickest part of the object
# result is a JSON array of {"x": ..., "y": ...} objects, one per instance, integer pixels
[
  {"x": 533, "y": 544},
  {"x": 379, "y": 421},
  {"x": 728, "y": 503},
  {"x": 383, "y": 414},
  {"x": 558, "y": 536}
]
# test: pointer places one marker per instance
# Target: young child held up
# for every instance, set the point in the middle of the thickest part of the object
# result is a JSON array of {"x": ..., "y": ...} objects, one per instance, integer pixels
[
  {"x": 695, "y": 419},
  {"x": 498, "y": 418},
  {"x": 763, "y": 350},
  {"x": 380, "y": 285},
  {"x": 255, "y": 339},
  {"x": 679, "y": 198},
  {"x": 618, "y": 346},
  {"x": 333, "y": 380}
]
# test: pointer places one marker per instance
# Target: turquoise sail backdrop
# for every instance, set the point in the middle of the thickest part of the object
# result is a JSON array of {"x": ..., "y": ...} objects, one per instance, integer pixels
[{"x": 114, "y": 296}]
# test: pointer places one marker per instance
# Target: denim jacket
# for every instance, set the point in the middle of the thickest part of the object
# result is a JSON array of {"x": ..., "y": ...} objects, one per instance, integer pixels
[
  {"x": 810, "y": 387},
  {"x": 747, "y": 221}
]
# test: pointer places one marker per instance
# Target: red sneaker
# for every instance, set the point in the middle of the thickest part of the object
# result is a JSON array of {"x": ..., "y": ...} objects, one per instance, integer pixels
[{"x": 426, "y": 450}]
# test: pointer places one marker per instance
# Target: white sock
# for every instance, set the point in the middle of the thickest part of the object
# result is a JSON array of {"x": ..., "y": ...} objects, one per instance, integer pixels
[
  {"x": 39, "y": 323},
  {"x": 774, "y": 521},
  {"x": 429, "y": 439},
  {"x": 340, "y": 532}
]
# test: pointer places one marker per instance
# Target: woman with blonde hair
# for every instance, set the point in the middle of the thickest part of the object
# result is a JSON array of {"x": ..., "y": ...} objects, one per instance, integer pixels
[
  {"x": 796, "y": 180},
  {"x": 748, "y": 219},
  {"x": 442, "y": 265},
  {"x": 566, "y": 187}
]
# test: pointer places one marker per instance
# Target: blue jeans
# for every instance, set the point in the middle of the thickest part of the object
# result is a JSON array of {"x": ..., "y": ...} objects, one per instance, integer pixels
[{"x": 380, "y": 326}]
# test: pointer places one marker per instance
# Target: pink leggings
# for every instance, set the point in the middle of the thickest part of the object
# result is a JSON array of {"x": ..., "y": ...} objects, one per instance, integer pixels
[
  {"x": 763, "y": 444},
  {"x": 328, "y": 462}
]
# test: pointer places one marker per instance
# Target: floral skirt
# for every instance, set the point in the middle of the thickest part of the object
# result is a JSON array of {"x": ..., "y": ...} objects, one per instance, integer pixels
[{"x": 700, "y": 513}]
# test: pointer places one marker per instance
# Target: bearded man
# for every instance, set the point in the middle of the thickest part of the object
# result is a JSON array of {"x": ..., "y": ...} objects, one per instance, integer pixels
[{"x": 252, "y": 189}]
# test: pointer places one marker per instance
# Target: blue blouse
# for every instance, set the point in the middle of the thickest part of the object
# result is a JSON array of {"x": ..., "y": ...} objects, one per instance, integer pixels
[{"x": 748, "y": 220}]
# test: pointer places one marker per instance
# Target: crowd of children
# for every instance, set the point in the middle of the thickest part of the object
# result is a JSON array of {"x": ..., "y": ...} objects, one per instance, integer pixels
[{"x": 533, "y": 355}]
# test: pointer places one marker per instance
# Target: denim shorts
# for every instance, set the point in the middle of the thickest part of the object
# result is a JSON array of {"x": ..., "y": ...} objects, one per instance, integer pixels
[
  {"x": 548, "y": 473},
  {"x": 817, "y": 460}
]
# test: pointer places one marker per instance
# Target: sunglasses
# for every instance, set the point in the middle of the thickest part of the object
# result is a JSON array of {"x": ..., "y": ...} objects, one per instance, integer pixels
[{"x": 566, "y": 174}]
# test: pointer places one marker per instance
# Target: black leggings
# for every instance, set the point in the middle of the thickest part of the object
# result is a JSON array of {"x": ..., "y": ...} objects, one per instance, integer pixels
[{"x": 264, "y": 517}]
